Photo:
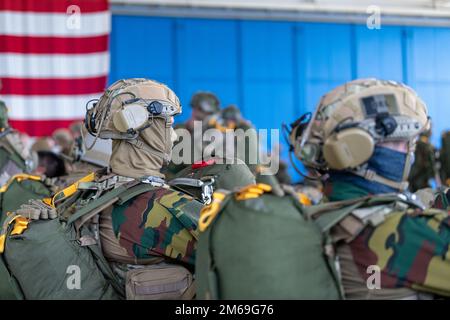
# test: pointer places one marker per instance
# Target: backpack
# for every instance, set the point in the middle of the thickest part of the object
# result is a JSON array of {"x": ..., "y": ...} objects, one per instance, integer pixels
[
  {"x": 258, "y": 245},
  {"x": 62, "y": 258},
  {"x": 19, "y": 189}
]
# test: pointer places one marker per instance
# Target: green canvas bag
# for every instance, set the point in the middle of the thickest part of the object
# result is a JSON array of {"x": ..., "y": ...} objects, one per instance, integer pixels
[
  {"x": 257, "y": 245},
  {"x": 19, "y": 190}
]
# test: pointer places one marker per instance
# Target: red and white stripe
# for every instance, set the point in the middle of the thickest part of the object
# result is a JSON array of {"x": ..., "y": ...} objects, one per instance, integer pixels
[{"x": 49, "y": 71}]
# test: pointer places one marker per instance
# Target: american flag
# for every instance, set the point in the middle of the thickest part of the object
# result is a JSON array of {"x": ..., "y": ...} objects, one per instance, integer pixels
[{"x": 53, "y": 58}]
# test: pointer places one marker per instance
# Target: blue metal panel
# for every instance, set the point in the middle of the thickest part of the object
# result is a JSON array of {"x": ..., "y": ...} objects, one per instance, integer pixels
[
  {"x": 428, "y": 66},
  {"x": 326, "y": 51},
  {"x": 142, "y": 47},
  {"x": 207, "y": 60},
  {"x": 275, "y": 71},
  {"x": 267, "y": 57},
  {"x": 268, "y": 75},
  {"x": 379, "y": 53}
]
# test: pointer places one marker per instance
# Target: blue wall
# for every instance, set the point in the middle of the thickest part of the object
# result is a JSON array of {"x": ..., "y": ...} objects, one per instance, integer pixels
[{"x": 275, "y": 71}]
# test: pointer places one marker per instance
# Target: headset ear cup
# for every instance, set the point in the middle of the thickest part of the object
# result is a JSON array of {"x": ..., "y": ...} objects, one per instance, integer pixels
[{"x": 348, "y": 149}]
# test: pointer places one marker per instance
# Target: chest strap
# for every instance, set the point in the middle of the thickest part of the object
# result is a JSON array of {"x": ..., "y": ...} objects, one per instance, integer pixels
[{"x": 120, "y": 194}]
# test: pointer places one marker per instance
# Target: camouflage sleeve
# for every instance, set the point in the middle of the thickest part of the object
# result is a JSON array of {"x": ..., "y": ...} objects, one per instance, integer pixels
[
  {"x": 162, "y": 222},
  {"x": 410, "y": 250}
]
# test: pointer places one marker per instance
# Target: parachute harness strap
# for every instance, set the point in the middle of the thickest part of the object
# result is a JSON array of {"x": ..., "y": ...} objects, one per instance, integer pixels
[
  {"x": 67, "y": 192},
  {"x": 20, "y": 225}
]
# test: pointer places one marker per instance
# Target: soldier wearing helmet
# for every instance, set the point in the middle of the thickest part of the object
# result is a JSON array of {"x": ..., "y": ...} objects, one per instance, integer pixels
[
  {"x": 138, "y": 219},
  {"x": 127, "y": 214},
  {"x": 230, "y": 120},
  {"x": 425, "y": 167},
  {"x": 204, "y": 104},
  {"x": 360, "y": 141},
  {"x": 14, "y": 157}
]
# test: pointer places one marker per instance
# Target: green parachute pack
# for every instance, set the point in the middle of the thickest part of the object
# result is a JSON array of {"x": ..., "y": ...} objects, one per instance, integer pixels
[
  {"x": 258, "y": 245},
  {"x": 61, "y": 258},
  {"x": 255, "y": 244},
  {"x": 20, "y": 189}
]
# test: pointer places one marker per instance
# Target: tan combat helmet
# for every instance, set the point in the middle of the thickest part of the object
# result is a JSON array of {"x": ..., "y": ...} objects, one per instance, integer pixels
[
  {"x": 138, "y": 112},
  {"x": 64, "y": 139},
  {"x": 205, "y": 101},
  {"x": 351, "y": 119}
]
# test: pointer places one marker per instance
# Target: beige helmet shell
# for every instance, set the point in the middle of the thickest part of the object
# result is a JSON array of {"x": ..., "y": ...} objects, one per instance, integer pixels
[
  {"x": 112, "y": 101},
  {"x": 344, "y": 105}
]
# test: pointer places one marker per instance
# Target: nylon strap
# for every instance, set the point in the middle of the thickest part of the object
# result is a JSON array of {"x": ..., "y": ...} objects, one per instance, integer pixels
[
  {"x": 121, "y": 194},
  {"x": 108, "y": 196},
  {"x": 134, "y": 192},
  {"x": 373, "y": 176},
  {"x": 13, "y": 155},
  {"x": 329, "y": 214}
]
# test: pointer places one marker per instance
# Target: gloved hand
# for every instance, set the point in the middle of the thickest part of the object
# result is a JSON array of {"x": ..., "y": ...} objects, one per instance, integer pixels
[{"x": 37, "y": 210}]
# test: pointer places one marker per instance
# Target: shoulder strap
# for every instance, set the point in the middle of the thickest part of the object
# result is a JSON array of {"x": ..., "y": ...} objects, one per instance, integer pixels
[
  {"x": 13, "y": 155},
  {"x": 120, "y": 195},
  {"x": 327, "y": 215},
  {"x": 111, "y": 196}
]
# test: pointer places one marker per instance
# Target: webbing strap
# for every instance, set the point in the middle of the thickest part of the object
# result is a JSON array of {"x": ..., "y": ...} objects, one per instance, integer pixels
[
  {"x": 134, "y": 192},
  {"x": 121, "y": 194},
  {"x": 334, "y": 212},
  {"x": 326, "y": 221},
  {"x": 108, "y": 196},
  {"x": 373, "y": 176},
  {"x": 13, "y": 155}
]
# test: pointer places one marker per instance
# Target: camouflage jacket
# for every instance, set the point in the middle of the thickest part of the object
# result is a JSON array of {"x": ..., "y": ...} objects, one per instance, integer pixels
[
  {"x": 148, "y": 219},
  {"x": 20, "y": 189},
  {"x": 409, "y": 244},
  {"x": 159, "y": 222}
]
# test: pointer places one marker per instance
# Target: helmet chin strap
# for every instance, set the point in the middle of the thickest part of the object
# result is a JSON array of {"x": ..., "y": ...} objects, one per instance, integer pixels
[
  {"x": 409, "y": 158},
  {"x": 371, "y": 175}
]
